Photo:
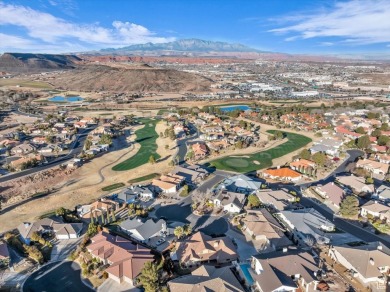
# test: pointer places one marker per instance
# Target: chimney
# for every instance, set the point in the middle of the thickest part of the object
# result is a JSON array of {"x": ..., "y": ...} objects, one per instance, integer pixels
[{"x": 372, "y": 261}]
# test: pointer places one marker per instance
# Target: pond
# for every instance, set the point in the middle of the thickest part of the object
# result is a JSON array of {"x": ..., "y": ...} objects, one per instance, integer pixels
[
  {"x": 230, "y": 108},
  {"x": 59, "y": 98}
]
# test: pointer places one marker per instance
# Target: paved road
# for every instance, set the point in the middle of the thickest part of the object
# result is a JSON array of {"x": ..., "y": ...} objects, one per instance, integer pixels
[
  {"x": 344, "y": 224},
  {"x": 63, "y": 277},
  {"x": 182, "y": 144},
  {"x": 76, "y": 150}
]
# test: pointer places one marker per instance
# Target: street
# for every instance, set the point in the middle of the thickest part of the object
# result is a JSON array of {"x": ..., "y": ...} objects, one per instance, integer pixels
[{"x": 56, "y": 277}]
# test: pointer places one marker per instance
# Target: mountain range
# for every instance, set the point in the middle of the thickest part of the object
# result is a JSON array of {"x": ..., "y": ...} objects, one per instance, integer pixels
[{"x": 180, "y": 47}]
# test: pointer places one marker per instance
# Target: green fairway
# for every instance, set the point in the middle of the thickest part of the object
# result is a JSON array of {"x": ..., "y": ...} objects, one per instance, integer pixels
[
  {"x": 146, "y": 137},
  {"x": 144, "y": 178},
  {"x": 263, "y": 158},
  {"x": 113, "y": 187}
]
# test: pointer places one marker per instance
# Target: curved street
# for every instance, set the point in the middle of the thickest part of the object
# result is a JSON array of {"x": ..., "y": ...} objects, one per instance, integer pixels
[{"x": 56, "y": 277}]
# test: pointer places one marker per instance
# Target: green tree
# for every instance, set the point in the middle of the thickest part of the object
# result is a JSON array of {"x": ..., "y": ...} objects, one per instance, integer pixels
[
  {"x": 238, "y": 144},
  {"x": 253, "y": 201},
  {"x": 278, "y": 135},
  {"x": 349, "y": 206},
  {"x": 190, "y": 155},
  {"x": 178, "y": 231},
  {"x": 152, "y": 160},
  {"x": 60, "y": 212},
  {"x": 105, "y": 139},
  {"x": 102, "y": 219},
  {"x": 187, "y": 229},
  {"x": 113, "y": 217},
  {"x": 363, "y": 142},
  {"x": 376, "y": 133},
  {"x": 360, "y": 130},
  {"x": 88, "y": 144},
  {"x": 185, "y": 190},
  {"x": 108, "y": 217},
  {"x": 92, "y": 229},
  {"x": 369, "y": 180},
  {"x": 149, "y": 277},
  {"x": 319, "y": 158},
  {"x": 305, "y": 154},
  {"x": 383, "y": 140},
  {"x": 384, "y": 127}
]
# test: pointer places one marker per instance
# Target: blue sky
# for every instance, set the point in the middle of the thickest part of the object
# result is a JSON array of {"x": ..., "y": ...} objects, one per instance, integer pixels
[{"x": 291, "y": 26}]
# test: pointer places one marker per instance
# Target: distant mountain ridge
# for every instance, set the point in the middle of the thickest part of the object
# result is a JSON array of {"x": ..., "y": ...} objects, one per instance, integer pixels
[{"x": 185, "y": 45}]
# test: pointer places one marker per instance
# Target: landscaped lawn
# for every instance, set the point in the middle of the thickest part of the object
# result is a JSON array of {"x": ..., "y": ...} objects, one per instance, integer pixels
[
  {"x": 264, "y": 158},
  {"x": 146, "y": 137},
  {"x": 144, "y": 178}
]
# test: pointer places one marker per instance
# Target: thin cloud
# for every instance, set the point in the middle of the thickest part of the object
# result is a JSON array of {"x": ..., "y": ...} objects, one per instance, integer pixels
[
  {"x": 354, "y": 22},
  {"x": 52, "y": 31}
]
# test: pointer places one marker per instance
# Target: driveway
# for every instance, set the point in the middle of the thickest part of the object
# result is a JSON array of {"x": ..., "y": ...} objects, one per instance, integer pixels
[
  {"x": 62, "y": 249},
  {"x": 63, "y": 277},
  {"x": 245, "y": 249},
  {"x": 110, "y": 285}
]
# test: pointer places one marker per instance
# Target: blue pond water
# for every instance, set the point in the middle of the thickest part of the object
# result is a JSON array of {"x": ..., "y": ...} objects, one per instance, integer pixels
[
  {"x": 234, "y": 107},
  {"x": 65, "y": 99}
]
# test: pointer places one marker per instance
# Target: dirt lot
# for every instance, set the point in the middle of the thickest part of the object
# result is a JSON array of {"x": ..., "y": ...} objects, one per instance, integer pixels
[{"x": 84, "y": 185}]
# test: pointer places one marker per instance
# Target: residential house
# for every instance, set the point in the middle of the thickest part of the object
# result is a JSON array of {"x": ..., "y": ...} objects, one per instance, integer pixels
[
  {"x": 288, "y": 270},
  {"x": 229, "y": 201},
  {"x": 262, "y": 227},
  {"x": 303, "y": 165},
  {"x": 384, "y": 158},
  {"x": 201, "y": 249},
  {"x": 207, "y": 278},
  {"x": 124, "y": 258},
  {"x": 22, "y": 162},
  {"x": 307, "y": 226},
  {"x": 97, "y": 208},
  {"x": 46, "y": 225},
  {"x": 355, "y": 183},
  {"x": 382, "y": 193},
  {"x": 39, "y": 140},
  {"x": 276, "y": 199},
  {"x": 200, "y": 150},
  {"x": 132, "y": 193},
  {"x": 165, "y": 187},
  {"x": 331, "y": 192},
  {"x": 241, "y": 184},
  {"x": 145, "y": 231},
  {"x": 374, "y": 167},
  {"x": 328, "y": 146},
  {"x": 369, "y": 263},
  {"x": 191, "y": 173},
  {"x": 23, "y": 149},
  {"x": 4, "y": 254},
  {"x": 283, "y": 174},
  {"x": 376, "y": 210}
]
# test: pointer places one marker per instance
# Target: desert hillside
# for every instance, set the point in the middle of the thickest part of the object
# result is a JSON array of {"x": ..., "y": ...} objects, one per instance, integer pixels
[
  {"x": 129, "y": 79},
  {"x": 17, "y": 62}
]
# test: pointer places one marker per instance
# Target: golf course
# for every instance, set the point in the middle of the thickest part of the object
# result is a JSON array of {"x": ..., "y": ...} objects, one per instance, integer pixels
[
  {"x": 261, "y": 159},
  {"x": 146, "y": 137}
]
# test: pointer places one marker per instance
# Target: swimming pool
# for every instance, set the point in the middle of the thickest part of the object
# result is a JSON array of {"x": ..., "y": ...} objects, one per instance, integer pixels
[
  {"x": 58, "y": 98},
  {"x": 245, "y": 271}
]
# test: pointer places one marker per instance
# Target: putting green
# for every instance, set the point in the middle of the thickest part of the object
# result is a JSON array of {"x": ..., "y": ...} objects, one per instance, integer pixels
[{"x": 263, "y": 158}]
